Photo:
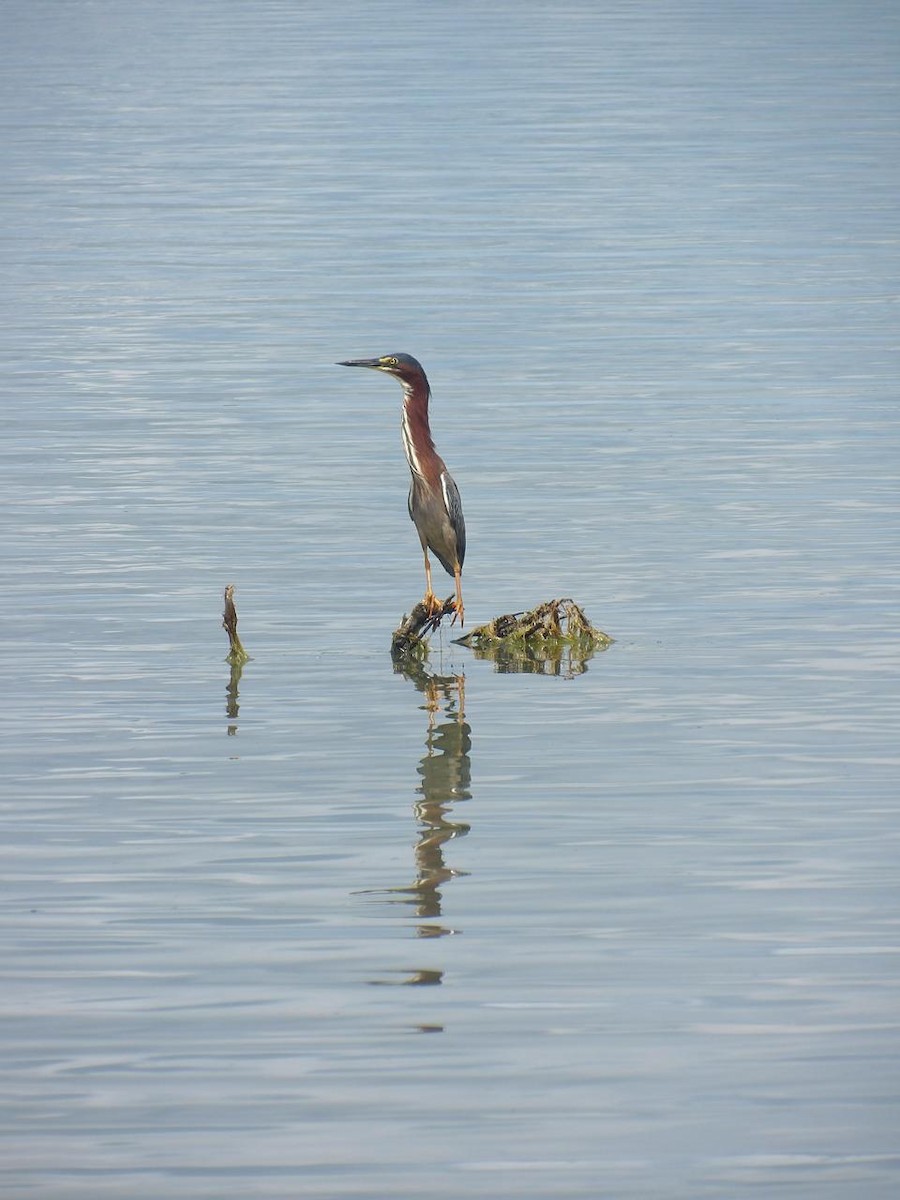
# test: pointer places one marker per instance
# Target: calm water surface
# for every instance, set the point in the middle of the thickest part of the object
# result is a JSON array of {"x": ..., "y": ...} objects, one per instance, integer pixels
[{"x": 332, "y": 930}]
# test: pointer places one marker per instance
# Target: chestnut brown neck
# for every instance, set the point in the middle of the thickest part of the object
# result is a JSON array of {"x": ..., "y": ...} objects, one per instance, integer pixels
[{"x": 418, "y": 446}]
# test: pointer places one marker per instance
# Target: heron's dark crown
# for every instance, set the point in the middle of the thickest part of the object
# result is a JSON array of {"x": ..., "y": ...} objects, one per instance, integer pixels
[{"x": 402, "y": 362}]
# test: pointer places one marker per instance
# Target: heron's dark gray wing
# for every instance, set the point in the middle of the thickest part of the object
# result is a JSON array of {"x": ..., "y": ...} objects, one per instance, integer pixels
[{"x": 455, "y": 513}]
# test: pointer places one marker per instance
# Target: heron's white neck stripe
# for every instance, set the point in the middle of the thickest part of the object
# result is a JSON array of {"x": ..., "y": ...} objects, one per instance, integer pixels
[{"x": 411, "y": 457}]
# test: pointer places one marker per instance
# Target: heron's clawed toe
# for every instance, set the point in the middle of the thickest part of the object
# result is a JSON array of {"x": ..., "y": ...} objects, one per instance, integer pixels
[{"x": 432, "y": 605}]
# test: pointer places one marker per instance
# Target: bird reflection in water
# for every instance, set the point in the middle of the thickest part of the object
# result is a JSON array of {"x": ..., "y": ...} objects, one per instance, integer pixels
[{"x": 445, "y": 779}]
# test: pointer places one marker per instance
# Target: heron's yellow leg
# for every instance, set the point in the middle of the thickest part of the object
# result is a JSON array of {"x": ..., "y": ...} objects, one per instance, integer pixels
[
  {"x": 431, "y": 602},
  {"x": 460, "y": 610}
]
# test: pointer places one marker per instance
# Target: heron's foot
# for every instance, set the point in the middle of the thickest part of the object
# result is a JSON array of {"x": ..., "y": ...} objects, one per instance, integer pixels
[
  {"x": 432, "y": 605},
  {"x": 459, "y": 613},
  {"x": 436, "y": 609}
]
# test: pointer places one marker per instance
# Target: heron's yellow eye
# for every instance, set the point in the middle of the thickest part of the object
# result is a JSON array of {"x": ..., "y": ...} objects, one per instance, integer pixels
[{"x": 390, "y": 361}]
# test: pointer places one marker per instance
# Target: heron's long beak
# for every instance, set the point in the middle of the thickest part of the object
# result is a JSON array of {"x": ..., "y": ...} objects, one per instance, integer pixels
[{"x": 374, "y": 363}]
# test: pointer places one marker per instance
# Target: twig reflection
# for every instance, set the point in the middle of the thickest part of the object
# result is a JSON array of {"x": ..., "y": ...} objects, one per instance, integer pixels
[{"x": 232, "y": 705}]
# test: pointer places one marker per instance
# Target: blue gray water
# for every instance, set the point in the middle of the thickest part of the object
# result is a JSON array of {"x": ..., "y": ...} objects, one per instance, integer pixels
[{"x": 328, "y": 930}]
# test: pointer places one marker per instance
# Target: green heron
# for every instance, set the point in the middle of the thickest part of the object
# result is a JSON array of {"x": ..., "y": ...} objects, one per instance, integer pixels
[{"x": 434, "y": 503}]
